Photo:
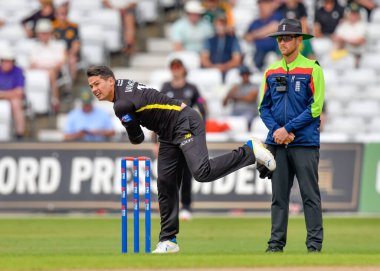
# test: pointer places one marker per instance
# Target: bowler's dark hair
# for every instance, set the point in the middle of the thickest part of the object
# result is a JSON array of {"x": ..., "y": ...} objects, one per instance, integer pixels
[{"x": 103, "y": 71}]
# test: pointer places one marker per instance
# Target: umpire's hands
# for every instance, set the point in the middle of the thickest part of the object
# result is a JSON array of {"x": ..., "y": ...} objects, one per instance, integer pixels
[{"x": 281, "y": 136}]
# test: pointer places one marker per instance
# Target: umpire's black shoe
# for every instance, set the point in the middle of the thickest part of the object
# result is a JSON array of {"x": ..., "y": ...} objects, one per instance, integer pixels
[
  {"x": 274, "y": 250},
  {"x": 313, "y": 250}
]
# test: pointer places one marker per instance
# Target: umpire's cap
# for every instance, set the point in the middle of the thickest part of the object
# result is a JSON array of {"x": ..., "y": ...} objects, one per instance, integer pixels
[{"x": 290, "y": 27}]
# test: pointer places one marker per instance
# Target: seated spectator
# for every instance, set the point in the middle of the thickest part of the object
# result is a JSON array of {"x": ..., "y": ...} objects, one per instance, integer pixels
[
  {"x": 350, "y": 33},
  {"x": 49, "y": 55},
  {"x": 88, "y": 123},
  {"x": 65, "y": 30},
  {"x": 127, "y": 9},
  {"x": 368, "y": 5},
  {"x": 222, "y": 51},
  {"x": 2, "y": 23},
  {"x": 294, "y": 9},
  {"x": 244, "y": 97},
  {"x": 327, "y": 18},
  {"x": 213, "y": 8},
  {"x": 45, "y": 12},
  {"x": 190, "y": 31},
  {"x": 260, "y": 28},
  {"x": 12, "y": 89}
]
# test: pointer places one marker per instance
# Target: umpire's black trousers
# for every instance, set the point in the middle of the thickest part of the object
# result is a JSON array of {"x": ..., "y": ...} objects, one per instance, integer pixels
[
  {"x": 189, "y": 146},
  {"x": 301, "y": 162}
]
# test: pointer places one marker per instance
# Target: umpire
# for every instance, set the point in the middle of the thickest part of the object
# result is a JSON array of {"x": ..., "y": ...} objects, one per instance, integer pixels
[{"x": 292, "y": 97}]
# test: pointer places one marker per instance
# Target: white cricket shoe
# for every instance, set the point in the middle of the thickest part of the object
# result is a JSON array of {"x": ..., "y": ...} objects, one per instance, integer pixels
[
  {"x": 166, "y": 247},
  {"x": 263, "y": 156},
  {"x": 185, "y": 215}
]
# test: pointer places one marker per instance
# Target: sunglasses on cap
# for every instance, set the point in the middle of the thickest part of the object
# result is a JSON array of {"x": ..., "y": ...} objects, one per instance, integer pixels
[{"x": 285, "y": 38}]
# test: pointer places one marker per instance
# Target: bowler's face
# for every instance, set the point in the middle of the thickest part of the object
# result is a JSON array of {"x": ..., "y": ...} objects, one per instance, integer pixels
[{"x": 103, "y": 89}]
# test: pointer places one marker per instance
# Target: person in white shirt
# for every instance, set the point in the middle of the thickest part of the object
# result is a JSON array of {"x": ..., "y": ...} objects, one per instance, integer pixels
[
  {"x": 190, "y": 31},
  {"x": 50, "y": 55},
  {"x": 350, "y": 34}
]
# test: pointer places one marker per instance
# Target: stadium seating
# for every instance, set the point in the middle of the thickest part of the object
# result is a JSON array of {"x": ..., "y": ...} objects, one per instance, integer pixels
[
  {"x": 37, "y": 90},
  {"x": 147, "y": 11},
  {"x": 110, "y": 21},
  {"x": 159, "y": 45},
  {"x": 159, "y": 77},
  {"x": 352, "y": 93},
  {"x": 86, "y": 5},
  {"x": 93, "y": 49},
  {"x": 12, "y": 33},
  {"x": 190, "y": 59},
  {"x": 5, "y": 120},
  {"x": 148, "y": 60}
]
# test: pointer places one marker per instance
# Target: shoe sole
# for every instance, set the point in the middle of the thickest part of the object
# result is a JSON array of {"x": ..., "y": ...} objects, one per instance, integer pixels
[
  {"x": 257, "y": 144},
  {"x": 167, "y": 252}
]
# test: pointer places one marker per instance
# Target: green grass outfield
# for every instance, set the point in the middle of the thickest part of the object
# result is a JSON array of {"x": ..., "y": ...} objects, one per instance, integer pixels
[{"x": 94, "y": 243}]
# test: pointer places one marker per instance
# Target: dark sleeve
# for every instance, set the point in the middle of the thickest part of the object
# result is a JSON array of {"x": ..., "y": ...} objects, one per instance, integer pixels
[
  {"x": 133, "y": 128},
  {"x": 130, "y": 122},
  {"x": 199, "y": 101},
  {"x": 302, "y": 10},
  {"x": 317, "y": 16},
  {"x": 32, "y": 17},
  {"x": 76, "y": 33}
]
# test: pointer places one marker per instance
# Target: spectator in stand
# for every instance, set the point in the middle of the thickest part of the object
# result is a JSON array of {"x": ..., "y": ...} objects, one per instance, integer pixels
[
  {"x": 179, "y": 88},
  {"x": 88, "y": 123},
  {"x": 45, "y": 12},
  {"x": 327, "y": 18},
  {"x": 244, "y": 97},
  {"x": 2, "y": 23},
  {"x": 190, "y": 31},
  {"x": 65, "y": 30},
  {"x": 350, "y": 33},
  {"x": 127, "y": 9},
  {"x": 49, "y": 55},
  {"x": 260, "y": 28},
  {"x": 368, "y": 5},
  {"x": 216, "y": 7},
  {"x": 222, "y": 51},
  {"x": 12, "y": 88},
  {"x": 294, "y": 9}
]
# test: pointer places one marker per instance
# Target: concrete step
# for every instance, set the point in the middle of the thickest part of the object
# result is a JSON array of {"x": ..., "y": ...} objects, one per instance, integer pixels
[
  {"x": 141, "y": 75},
  {"x": 159, "y": 45},
  {"x": 149, "y": 60}
]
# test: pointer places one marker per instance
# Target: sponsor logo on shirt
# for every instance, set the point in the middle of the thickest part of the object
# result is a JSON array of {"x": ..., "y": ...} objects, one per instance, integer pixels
[
  {"x": 126, "y": 118},
  {"x": 129, "y": 86},
  {"x": 298, "y": 86},
  {"x": 186, "y": 141}
]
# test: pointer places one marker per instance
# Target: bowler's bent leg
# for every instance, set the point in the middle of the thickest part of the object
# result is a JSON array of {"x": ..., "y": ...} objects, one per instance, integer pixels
[{"x": 191, "y": 137}]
